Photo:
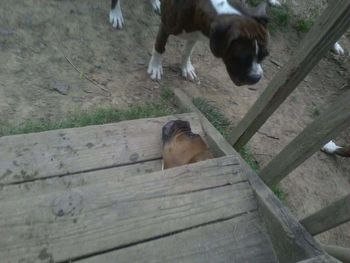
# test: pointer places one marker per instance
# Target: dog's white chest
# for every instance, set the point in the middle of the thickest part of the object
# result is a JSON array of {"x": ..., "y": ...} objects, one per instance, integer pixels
[
  {"x": 193, "y": 36},
  {"x": 223, "y": 7}
]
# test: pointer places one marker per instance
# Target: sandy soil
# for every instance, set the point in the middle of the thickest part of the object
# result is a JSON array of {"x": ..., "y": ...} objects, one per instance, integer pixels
[{"x": 41, "y": 40}]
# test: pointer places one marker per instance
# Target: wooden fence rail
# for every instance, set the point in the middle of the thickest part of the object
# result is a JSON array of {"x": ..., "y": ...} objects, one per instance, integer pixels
[
  {"x": 313, "y": 137},
  {"x": 329, "y": 217},
  {"x": 328, "y": 28}
]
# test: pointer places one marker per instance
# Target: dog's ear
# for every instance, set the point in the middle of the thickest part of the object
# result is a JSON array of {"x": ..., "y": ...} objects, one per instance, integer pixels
[
  {"x": 222, "y": 33},
  {"x": 260, "y": 15}
]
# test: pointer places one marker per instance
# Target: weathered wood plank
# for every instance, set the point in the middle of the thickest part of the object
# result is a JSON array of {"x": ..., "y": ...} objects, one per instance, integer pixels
[
  {"x": 340, "y": 253},
  {"x": 52, "y": 153},
  {"x": 328, "y": 28},
  {"x": 241, "y": 239},
  {"x": 98, "y": 214},
  {"x": 290, "y": 240},
  {"x": 310, "y": 140},
  {"x": 328, "y": 217},
  {"x": 320, "y": 259}
]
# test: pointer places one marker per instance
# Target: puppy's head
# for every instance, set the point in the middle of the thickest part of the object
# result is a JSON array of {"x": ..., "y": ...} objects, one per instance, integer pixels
[
  {"x": 241, "y": 42},
  {"x": 173, "y": 127}
]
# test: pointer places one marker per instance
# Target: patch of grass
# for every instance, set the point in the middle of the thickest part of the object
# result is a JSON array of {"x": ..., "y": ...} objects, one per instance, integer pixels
[
  {"x": 279, "y": 193},
  {"x": 250, "y": 159},
  {"x": 281, "y": 16},
  {"x": 95, "y": 117},
  {"x": 167, "y": 94},
  {"x": 214, "y": 115},
  {"x": 304, "y": 25}
]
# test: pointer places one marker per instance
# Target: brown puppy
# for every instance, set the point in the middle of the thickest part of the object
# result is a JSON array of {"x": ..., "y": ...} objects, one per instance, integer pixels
[
  {"x": 181, "y": 146},
  {"x": 237, "y": 34}
]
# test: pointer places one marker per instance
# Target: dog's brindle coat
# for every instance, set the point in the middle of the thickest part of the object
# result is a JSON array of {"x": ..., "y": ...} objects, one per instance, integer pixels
[
  {"x": 181, "y": 146},
  {"x": 240, "y": 39}
]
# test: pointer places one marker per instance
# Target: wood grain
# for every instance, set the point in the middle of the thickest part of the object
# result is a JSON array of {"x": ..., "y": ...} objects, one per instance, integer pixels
[
  {"x": 60, "y": 152},
  {"x": 68, "y": 220},
  {"x": 241, "y": 239}
]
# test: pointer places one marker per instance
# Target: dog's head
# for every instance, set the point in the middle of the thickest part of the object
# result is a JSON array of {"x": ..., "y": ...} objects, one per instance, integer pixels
[
  {"x": 241, "y": 42},
  {"x": 173, "y": 127}
]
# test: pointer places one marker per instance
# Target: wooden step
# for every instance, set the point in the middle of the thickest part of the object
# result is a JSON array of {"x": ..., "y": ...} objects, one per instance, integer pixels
[
  {"x": 67, "y": 151},
  {"x": 83, "y": 215}
]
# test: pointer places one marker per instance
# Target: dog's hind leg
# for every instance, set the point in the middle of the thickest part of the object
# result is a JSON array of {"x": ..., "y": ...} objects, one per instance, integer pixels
[
  {"x": 116, "y": 15},
  {"x": 187, "y": 68}
]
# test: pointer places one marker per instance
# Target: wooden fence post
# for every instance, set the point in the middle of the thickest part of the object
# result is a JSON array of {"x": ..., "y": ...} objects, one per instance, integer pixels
[
  {"x": 328, "y": 217},
  {"x": 310, "y": 140},
  {"x": 325, "y": 32}
]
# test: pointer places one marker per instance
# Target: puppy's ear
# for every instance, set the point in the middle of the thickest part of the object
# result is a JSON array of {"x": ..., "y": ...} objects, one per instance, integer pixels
[
  {"x": 260, "y": 15},
  {"x": 222, "y": 33}
]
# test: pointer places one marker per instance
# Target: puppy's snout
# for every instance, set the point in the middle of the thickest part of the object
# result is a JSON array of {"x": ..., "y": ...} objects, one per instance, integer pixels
[
  {"x": 253, "y": 79},
  {"x": 255, "y": 74}
]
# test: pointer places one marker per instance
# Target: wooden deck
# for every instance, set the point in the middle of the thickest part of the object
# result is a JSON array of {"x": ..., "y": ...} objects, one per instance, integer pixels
[{"x": 96, "y": 194}]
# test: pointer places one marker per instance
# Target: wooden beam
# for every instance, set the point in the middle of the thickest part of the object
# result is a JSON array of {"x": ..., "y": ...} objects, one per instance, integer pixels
[
  {"x": 29, "y": 157},
  {"x": 76, "y": 216},
  {"x": 340, "y": 253},
  {"x": 329, "y": 27},
  {"x": 313, "y": 137},
  {"x": 320, "y": 259},
  {"x": 328, "y": 217}
]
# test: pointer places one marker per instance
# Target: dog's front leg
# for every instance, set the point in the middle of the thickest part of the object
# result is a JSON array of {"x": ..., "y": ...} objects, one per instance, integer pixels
[
  {"x": 155, "y": 68},
  {"x": 156, "y": 5},
  {"x": 187, "y": 69},
  {"x": 338, "y": 49},
  {"x": 116, "y": 15}
]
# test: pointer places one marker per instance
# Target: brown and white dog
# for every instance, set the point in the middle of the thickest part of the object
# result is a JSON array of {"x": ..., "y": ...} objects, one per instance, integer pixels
[
  {"x": 181, "y": 146},
  {"x": 116, "y": 15},
  {"x": 237, "y": 34}
]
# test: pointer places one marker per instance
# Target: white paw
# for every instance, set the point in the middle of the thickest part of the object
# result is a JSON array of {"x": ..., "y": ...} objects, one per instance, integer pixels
[
  {"x": 338, "y": 49},
  {"x": 155, "y": 68},
  {"x": 274, "y": 2},
  {"x": 156, "y": 5},
  {"x": 330, "y": 147},
  {"x": 188, "y": 71},
  {"x": 116, "y": 17}
]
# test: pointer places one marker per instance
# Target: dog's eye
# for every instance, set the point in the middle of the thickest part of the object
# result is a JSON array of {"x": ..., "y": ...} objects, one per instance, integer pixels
[{"x": 244, "y": 59}]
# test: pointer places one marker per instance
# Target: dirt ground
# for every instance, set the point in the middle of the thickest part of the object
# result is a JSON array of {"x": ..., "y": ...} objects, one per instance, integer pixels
[{"x": 43, "y": 41}]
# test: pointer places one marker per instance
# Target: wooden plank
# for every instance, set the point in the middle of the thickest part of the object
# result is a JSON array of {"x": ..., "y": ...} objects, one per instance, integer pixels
[
  {"x": 320, "y": 259},
  {"x": 60, "y": 152},
  {"x": 328, "y": 217},
  {"x": 313, "y": 137},
  {"x": 290, "y": 240},
  {"x": 100, "y": 214},
  {"x": 240, "y": 239},
  {"x": 328, "y": 28},
  {"x": 340, "y": 253}
]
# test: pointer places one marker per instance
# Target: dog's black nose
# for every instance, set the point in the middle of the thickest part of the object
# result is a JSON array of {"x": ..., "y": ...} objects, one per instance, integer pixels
[{"x": 253, "y": 79}]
